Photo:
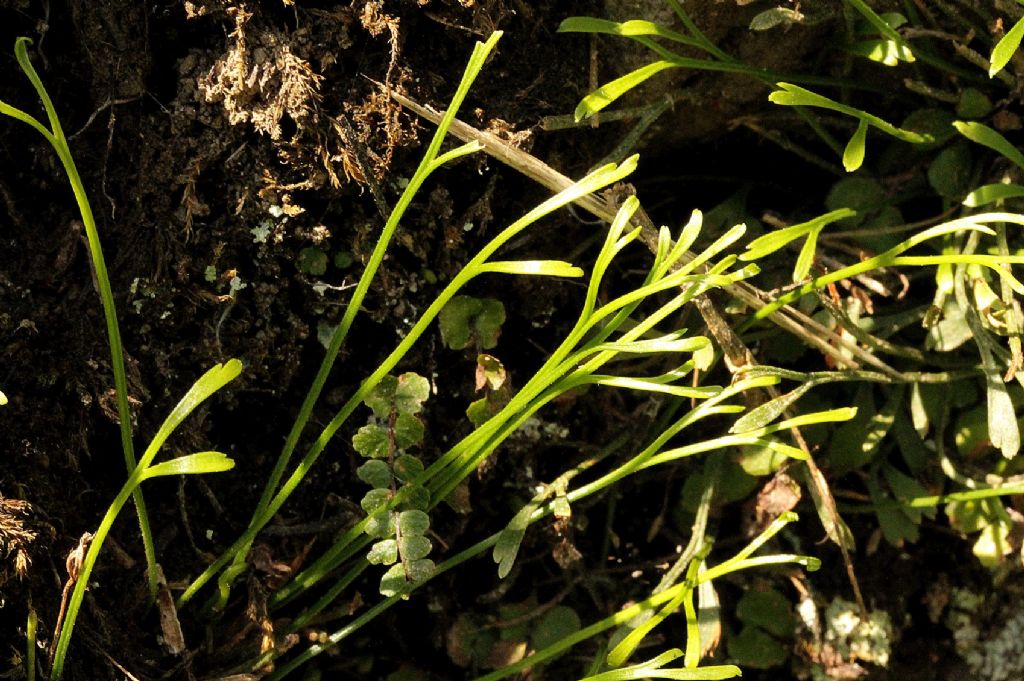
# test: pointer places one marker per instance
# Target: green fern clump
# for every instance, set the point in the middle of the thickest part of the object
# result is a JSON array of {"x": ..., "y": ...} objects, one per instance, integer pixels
[{"x": 392, "y": 472}]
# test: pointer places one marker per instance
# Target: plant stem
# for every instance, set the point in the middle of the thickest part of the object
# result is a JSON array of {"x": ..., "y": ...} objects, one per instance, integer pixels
[{"x": 55, "y": 136}]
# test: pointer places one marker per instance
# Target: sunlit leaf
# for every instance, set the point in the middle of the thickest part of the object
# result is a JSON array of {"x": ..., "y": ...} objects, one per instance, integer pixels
[
  {"x": 762, "y": 415},
  {"x": 794, "y": 95},
  {"x": 993, "y": 544},
  {"x": 546, "y": 268},
  {"x": 384, "y": 552},
  {"x": 609, "y": 92},
  {"x": 1004, "y": 49},
  {"x": 201, "y": 462},
  {"x": 393, "y": 582},
  {"x": 986, "y": 136},
  {"x": 990, "y": 193},
  {"x": 884, "y": 51},
  {"x": 414, "y": 547},
  {"x": 633, "y": 28},
  {"x": 213, "y": 380}
]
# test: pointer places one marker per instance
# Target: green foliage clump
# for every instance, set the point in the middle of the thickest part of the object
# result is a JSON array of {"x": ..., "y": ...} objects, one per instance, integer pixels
[{"x": 393, "y": 472}]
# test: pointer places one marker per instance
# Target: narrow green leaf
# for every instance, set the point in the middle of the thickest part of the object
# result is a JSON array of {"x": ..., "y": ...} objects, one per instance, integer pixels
[
  {"x": 773, "y": 17},
  {"x": 987, "y": 137},
  {"x": 700, "y": 393},
  {"x": 806, "y": 258},
  {"x": 507, "y": 547},
  {"x": 784, "y": 449},
  {"x": 883, "y": 51},
  {"x": 687, "y": 236},
  {"x": 629, "y": 29},
  {"x": 213, "y": 380},
  {"x": 1003, "y": 430},
  {"x": 648, "y": 671},
  {"x": 773, "y": 241},
  {"x": 609, "y": 92},
  {"x": 794, "y": 95},
  {"x": 1004, "y": 49},
  {"x": 668, "y": 343},
  {"x": 853, "y": 155},
  {"x": 827, "y": 416},
  {"x": 990, "y": 193},
  {"x": 201, "y": 462},
  {"x": 542, "y": 268},
  {"x": 879, "y": 424}
]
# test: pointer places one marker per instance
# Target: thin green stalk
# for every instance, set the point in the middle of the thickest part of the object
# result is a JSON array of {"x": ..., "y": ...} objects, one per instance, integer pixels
[
  {"x": 939, "y": 499},
  {"x": 30, "y": 642},
  {"x": 975, "y": 223},
  {"x": 55, "y": 136}
]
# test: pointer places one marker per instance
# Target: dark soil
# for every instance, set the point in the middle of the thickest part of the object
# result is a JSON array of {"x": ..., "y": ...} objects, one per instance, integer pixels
[{"x": 217, "y": 140}]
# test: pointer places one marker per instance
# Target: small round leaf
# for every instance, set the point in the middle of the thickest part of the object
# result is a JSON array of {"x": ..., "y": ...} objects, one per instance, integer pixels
[
  {"x": 375, "y": 473},
  {"x": 413, "y": 522},
  {"x": 414, "y": 547}
]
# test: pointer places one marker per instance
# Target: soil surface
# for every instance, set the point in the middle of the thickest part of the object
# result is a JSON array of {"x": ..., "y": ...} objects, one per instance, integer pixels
[{"x": 222, "y": 144}]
